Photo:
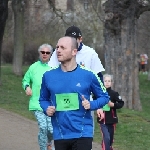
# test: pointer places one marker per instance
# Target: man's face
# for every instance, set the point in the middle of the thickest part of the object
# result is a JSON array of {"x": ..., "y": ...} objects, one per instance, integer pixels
[
  {"x": 64, "y": 49},
  {"x": 45, "y": 54}
]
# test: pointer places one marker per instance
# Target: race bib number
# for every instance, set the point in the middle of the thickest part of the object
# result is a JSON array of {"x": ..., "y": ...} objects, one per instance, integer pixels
[{"x": 67, "y": 101}]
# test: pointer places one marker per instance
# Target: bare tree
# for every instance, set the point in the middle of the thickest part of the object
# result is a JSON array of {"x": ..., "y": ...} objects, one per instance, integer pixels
[
  {"x": 120, "y": 47},
  {"x": 18, "y": 9},
  {"x": 87, "y": 10},
  {"x": 3, "y": 18}
]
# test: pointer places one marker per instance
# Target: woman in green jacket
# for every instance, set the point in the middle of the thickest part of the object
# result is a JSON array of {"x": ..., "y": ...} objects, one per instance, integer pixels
[{"x": 32, "y": 84}]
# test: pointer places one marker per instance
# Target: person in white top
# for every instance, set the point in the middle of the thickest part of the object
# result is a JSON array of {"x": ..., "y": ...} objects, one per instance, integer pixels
[{"x": 86, "y": 55}]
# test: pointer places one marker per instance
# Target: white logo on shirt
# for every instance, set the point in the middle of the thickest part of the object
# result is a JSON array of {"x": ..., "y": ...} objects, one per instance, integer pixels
[
  {"x": 119, "y": 97},
  {"x": 78, "y": 84}
]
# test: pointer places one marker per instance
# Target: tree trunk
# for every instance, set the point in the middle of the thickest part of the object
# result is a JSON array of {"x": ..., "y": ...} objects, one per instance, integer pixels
[
  {"x": 120, "y": 51},
  {"x": 149, "y": 74},
  {"x": 3, "y": 18},
  {"x": 17, "y": 6}
]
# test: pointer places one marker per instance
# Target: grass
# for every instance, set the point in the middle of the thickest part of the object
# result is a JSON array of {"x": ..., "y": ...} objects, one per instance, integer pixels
[
  {"x": 12, "y": 95},
  {"x": 132, "y": 131}
]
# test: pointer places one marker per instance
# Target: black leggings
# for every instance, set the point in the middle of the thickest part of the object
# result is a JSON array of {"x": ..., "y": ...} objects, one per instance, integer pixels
[
  {"x": 108, "y": 135},
  {"x": 74, "y": 144}
]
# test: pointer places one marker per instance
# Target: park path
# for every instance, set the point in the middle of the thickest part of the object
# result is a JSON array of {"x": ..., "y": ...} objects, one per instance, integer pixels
[{"x": 19, "y": 133}]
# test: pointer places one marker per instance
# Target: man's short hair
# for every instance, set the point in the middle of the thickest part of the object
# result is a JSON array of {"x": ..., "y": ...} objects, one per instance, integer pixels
[{"x": 74, "y": 43}]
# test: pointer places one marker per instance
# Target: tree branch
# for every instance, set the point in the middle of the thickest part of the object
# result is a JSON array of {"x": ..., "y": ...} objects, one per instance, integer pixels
[{"x": 58, "y": 12}]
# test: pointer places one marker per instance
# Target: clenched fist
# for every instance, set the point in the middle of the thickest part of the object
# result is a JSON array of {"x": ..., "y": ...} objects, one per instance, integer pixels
[
  {"x": 85, "y": 103},
  {"x": 50, "y": 110},
  {"x": 28, "y": 91}
]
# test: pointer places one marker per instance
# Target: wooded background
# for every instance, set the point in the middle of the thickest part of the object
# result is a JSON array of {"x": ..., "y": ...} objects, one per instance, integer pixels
[{"x": 117, "y": 29}]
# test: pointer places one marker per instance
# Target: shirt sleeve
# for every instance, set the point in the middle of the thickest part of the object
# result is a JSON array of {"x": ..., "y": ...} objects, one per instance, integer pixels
[
  {"x": 96, "y": 64},
  {"x": 98, "y": 89},
  {"x": 27, "y": 78},
  {"x": 53, "y": 60},
  {"x": 118, "y": 102},
  {"x": 44, "y": 96}
]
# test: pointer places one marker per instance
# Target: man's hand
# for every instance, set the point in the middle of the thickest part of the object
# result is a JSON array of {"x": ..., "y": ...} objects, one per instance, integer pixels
[
  {"x": 100, "y": 114},
  {"x": 28, "y": 91},
  {"x": 110, "y": 104},
  {"x": 50, "y": 110},
  {"x": 85, "y": 103}
]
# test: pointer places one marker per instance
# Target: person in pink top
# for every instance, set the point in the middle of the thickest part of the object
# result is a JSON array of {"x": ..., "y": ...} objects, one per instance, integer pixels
[{"x": 143, "y": 62}]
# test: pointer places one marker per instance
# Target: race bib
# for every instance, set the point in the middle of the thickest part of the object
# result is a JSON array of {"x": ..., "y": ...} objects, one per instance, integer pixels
[
  {"x": 106, "y": 108},
  {"x": 67, "y": 101}
]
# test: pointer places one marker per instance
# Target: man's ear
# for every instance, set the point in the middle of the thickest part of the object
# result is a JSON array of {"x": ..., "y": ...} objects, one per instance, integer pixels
[
  {"x": 74, "y": 52},
  {"x": 80, "y": 39}
]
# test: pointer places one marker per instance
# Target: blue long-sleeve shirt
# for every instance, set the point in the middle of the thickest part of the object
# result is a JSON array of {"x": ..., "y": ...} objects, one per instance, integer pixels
[{"x": 72, "y": 123}]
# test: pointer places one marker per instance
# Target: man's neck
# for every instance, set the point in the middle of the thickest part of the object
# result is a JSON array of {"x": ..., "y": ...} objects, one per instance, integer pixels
[{"x": 68, "y": 66}]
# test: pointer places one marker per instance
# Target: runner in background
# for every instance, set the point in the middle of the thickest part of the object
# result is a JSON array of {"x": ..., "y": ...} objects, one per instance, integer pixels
[
  {"x": 108, "y": 117},
  {"x": 143, "y": 62},
  {"x": 32, "y": 84}
]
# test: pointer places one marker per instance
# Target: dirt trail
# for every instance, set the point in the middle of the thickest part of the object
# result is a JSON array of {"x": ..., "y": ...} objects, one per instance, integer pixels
[{"x": 19, "y": 133}]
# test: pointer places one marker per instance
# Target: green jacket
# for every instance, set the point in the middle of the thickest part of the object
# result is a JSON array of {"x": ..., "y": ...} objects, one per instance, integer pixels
[{"x": 33, "y": 78}]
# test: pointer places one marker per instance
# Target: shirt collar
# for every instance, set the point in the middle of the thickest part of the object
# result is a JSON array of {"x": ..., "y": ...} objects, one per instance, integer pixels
[{"x": 80, "y": 47}]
